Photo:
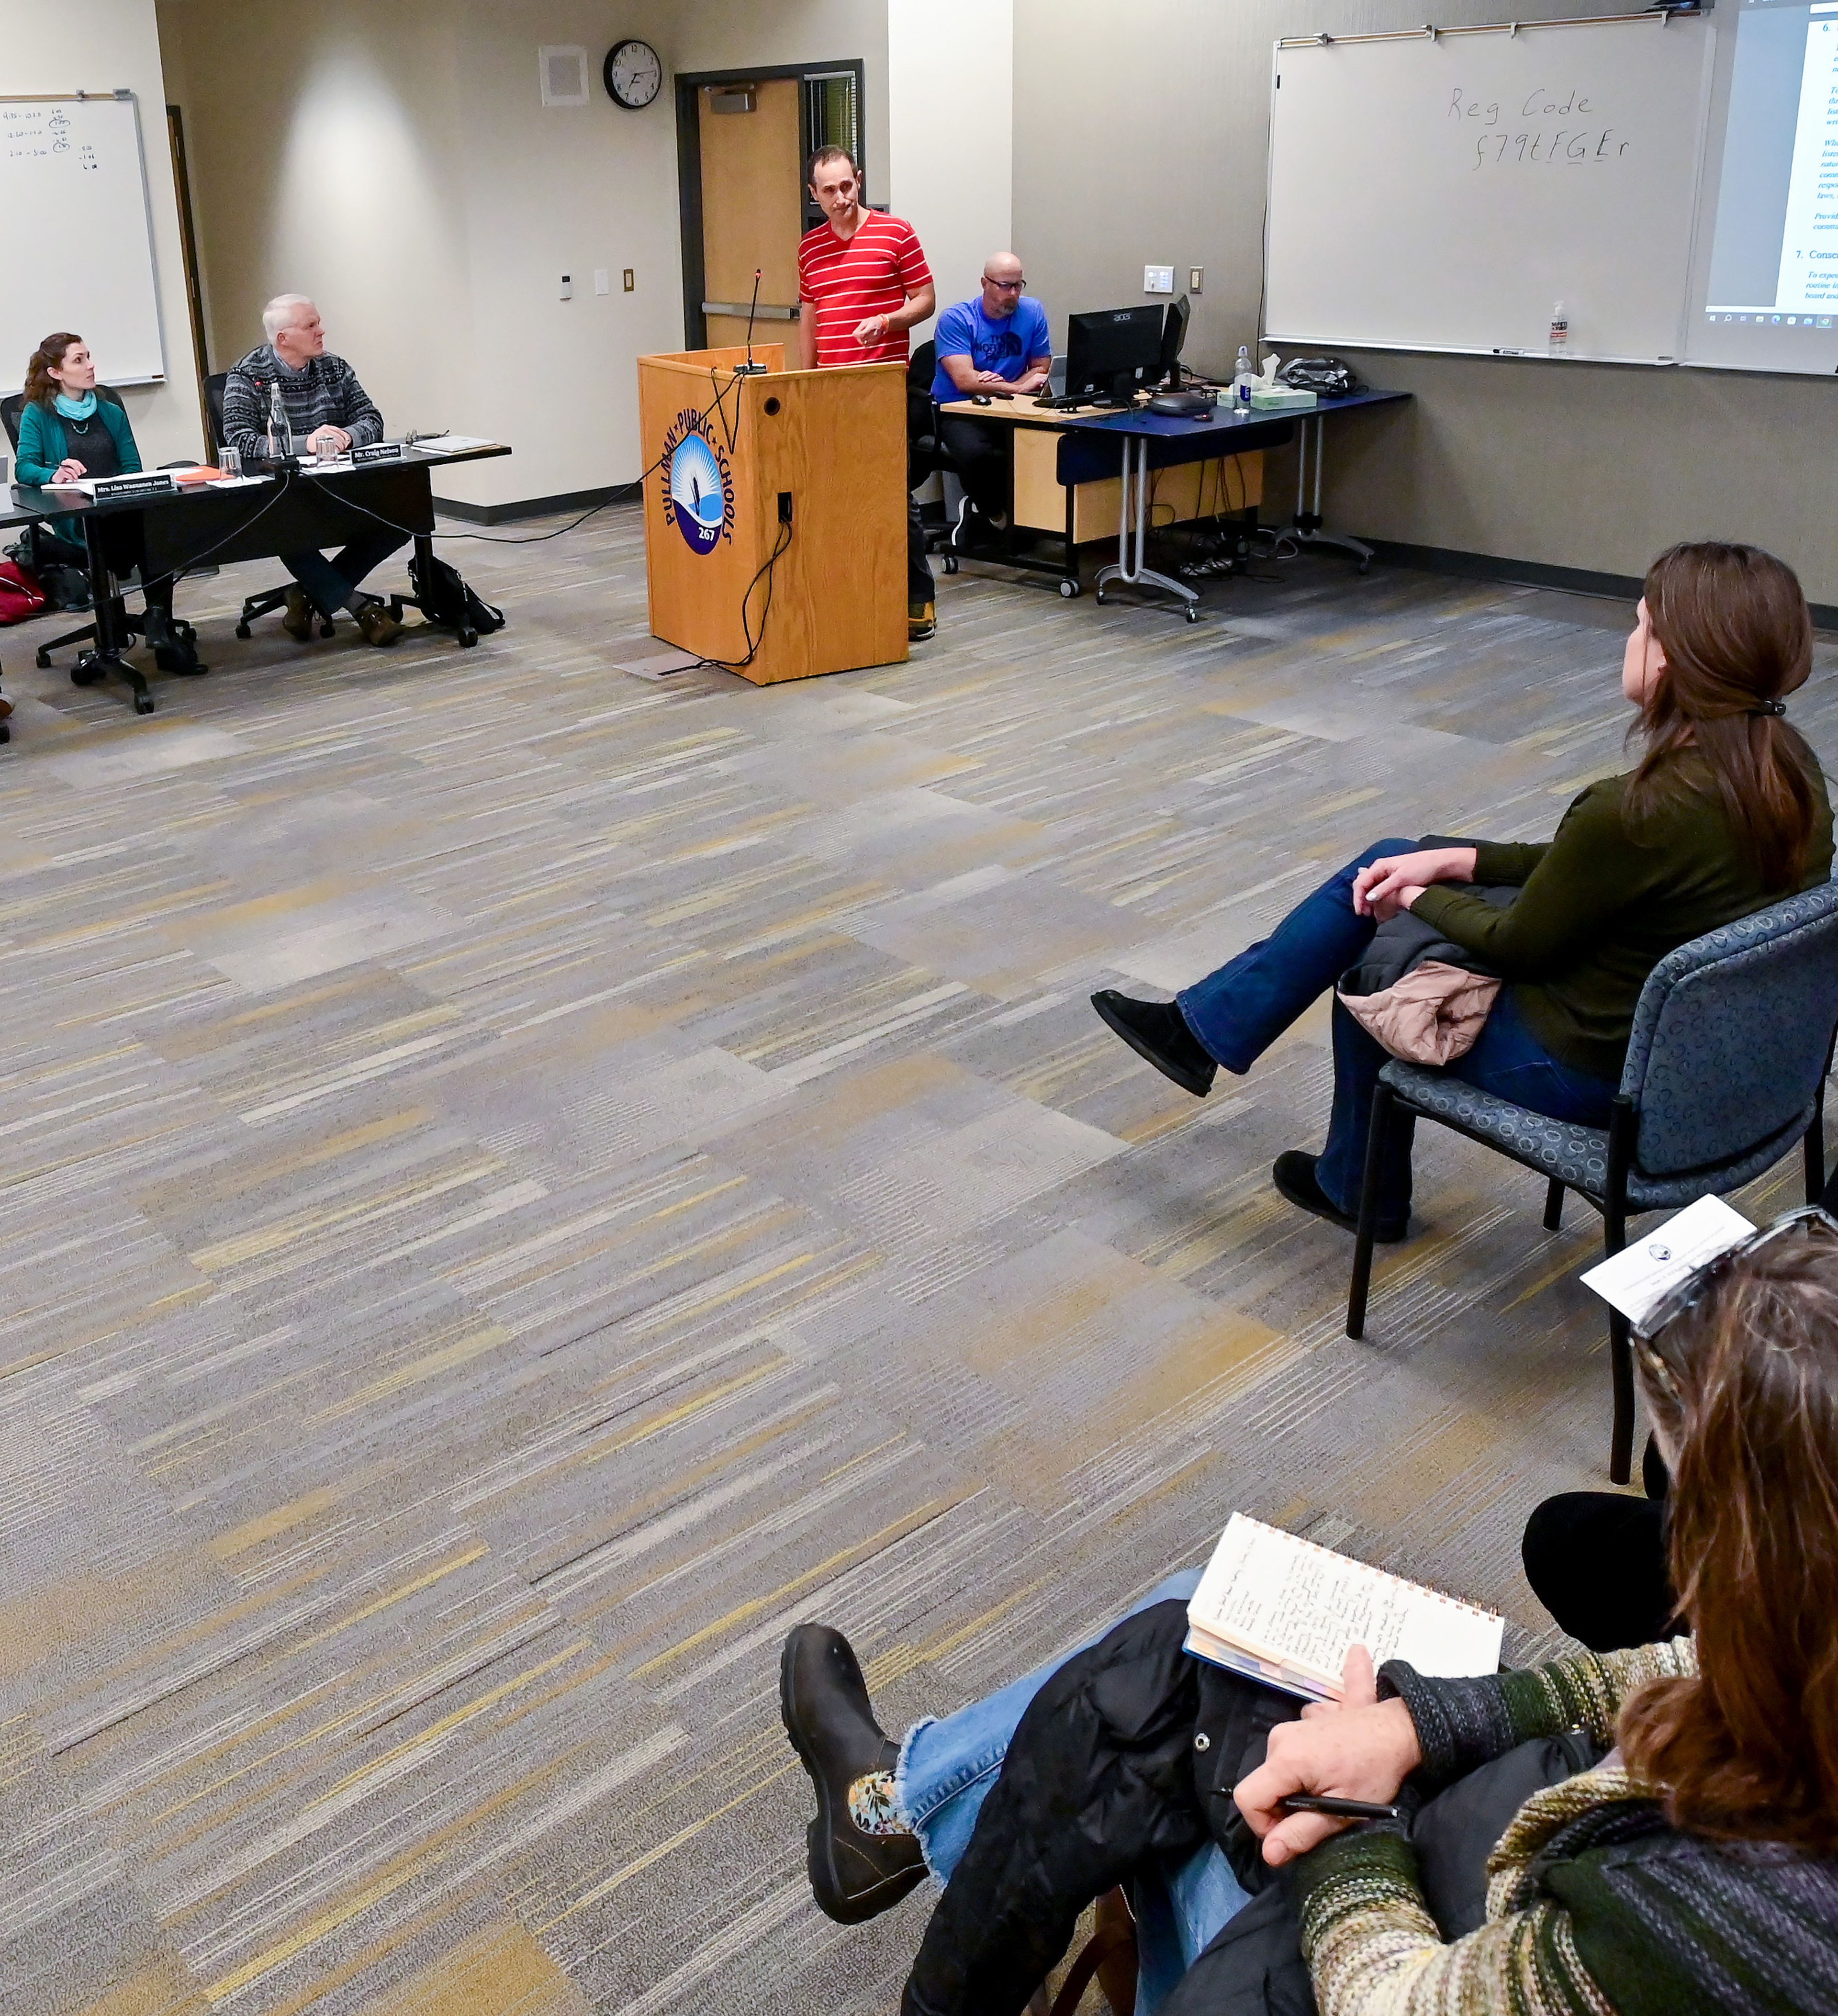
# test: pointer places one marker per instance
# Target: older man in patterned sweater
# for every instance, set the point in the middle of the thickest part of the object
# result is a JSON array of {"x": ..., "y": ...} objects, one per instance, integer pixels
[{"x": 325, "y": 405}]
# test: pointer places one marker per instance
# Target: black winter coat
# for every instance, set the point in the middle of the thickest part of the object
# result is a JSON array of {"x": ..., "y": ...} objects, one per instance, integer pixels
[{"x": 1131, "y": 1752}]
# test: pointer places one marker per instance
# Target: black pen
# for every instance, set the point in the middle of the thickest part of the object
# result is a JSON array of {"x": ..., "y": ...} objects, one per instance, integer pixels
[{"x": 1340, "y": 1809}]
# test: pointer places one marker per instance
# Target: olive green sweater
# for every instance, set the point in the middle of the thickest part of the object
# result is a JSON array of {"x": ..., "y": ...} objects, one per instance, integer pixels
[{"x": 1600, "y": 906}]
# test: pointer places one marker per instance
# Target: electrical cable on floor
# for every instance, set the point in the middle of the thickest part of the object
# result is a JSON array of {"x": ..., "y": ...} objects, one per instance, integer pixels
[{"x": 780, "y": 546}]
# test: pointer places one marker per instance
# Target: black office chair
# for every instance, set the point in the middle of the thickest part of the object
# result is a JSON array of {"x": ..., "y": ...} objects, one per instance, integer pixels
[
  {"x": 926, "y": 454},
  {"x": 270, "y": 599}
]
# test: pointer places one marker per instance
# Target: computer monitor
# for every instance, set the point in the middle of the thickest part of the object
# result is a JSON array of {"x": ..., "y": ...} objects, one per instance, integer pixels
[
  {"x": 1173, "y": 336},
  {"x": 1111, "y": 351}
]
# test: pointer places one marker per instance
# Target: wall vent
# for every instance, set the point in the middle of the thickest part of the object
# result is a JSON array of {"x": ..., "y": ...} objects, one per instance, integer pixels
[{"x": 563, "y": 71}]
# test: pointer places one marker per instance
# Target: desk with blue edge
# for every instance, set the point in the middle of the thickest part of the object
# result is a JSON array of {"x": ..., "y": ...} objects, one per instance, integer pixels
[{"x": 1083, "y": 473}]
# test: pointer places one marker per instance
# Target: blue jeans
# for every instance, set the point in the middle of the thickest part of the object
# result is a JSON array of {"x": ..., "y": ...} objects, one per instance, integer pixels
[
  {"x": 947, "y": 1767},
  {"x": 1238, "y": 1012}
]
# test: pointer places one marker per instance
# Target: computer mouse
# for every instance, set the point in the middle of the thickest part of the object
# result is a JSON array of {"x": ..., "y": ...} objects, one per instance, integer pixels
[{"x": 981, "y": 399}]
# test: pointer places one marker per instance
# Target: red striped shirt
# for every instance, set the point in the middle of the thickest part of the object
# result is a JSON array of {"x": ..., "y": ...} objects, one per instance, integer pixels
[{"x": 848, "y": 278}]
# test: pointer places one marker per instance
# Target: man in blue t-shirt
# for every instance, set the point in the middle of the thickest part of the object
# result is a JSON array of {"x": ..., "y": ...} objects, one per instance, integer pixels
[{"x": 997, "y": 343}]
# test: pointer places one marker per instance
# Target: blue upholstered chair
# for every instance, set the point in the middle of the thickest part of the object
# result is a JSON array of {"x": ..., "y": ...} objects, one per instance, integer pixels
[{"x": 1726, "y": 1071}]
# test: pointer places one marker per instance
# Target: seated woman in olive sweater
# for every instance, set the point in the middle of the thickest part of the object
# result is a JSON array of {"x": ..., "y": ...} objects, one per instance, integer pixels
[
  {"x": 67, "y": 430},
  {"x": 1725, "y": 812}
]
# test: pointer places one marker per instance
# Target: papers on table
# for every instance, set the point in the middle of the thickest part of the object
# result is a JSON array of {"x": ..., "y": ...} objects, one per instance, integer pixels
[
  {"x": 87, "y": 484},
  {"x": 1649, "y": 1268},
  {"x": 451, "y": 444},
  {"x": 1288, "y": 1611},
  {"x": 332, "y": 465}
]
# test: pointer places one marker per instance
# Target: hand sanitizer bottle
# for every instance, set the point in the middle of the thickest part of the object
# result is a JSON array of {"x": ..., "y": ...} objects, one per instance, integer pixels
[
  {"x": 1560, "y": 332},
  {"x": 1243, "y": 378}
]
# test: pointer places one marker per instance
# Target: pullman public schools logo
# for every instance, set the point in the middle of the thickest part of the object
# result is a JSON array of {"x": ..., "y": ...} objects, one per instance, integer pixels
[{"x": 698, "y": 484}]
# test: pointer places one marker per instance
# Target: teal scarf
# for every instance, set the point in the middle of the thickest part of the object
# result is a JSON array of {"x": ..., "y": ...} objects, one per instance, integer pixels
[{"x": 75, "y": 409}]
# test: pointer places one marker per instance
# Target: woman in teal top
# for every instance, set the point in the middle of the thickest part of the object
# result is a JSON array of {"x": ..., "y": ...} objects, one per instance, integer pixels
[{"x": 68, "y": 431}]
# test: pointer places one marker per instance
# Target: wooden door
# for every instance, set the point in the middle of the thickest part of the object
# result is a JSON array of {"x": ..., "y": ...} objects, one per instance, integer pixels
[{"x": 752, "y": 210}]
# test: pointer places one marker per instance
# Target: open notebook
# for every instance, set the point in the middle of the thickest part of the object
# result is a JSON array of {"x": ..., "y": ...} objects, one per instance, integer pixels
[{"x": 1286, "y": 1611}]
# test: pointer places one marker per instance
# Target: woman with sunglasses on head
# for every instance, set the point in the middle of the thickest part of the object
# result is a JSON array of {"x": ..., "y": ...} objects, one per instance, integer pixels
[
  {"x": 1651, "y": 1832},
  {"x": 1725, "y": 811},
  {"x": 68, "y": 430}
]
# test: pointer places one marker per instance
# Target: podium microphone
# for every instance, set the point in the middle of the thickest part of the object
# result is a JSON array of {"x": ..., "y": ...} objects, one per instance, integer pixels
[{"x": 750, "y": 368}]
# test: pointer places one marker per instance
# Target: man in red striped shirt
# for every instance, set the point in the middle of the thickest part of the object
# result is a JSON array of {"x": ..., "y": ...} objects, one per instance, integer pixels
[{"x": 863, "y": 282}]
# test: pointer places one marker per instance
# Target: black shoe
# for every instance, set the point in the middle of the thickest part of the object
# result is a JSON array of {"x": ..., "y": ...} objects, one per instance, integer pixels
[
  {"x": 977, "y": 528},
  {"x": 1157, "y": 1031},
  {"x": 1293, "y": 1174},
  {"x": 175, "y": 645},
  {"x": 824, "y": 1701}
]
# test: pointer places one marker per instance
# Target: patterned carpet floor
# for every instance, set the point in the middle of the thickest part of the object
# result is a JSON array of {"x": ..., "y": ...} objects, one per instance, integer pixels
[{"x": 524, "y": 1177}]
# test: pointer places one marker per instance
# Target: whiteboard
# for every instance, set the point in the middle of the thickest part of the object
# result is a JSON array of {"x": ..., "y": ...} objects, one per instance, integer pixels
[
  {"x": 1443, "y": 191},
  {"x": 80, "y": 256}
]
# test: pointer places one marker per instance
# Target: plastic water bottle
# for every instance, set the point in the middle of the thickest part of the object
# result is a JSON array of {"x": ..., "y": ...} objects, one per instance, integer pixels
[
  {"x": 280, "y": 439},
  {"x": 1243, "y": 378},
  {"x": 1560, "y": 332}
]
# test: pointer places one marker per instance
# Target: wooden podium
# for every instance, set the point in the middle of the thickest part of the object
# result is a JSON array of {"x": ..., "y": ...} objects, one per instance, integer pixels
[{"x": 810, "y": 465}]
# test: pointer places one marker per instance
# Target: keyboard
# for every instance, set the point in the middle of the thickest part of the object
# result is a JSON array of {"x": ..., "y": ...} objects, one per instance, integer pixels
[{"x": 1064, "y": 402}]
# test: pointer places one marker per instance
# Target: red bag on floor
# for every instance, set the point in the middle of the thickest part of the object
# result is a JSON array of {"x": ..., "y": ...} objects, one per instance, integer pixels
[{"x": 21, "y": 596}]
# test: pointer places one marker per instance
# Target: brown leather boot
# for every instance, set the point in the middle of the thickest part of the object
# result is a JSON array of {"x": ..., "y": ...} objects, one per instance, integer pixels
[
  {"x": 297, "y": 618},
  {"x": 376, "y": 626}
]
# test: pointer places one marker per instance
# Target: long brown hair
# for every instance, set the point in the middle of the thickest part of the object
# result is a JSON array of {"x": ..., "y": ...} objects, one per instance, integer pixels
[
  {"x": 1745, "y": 1390},
  {"x": 1738, "y": 638},
  {"x": 41, "y": 388}
]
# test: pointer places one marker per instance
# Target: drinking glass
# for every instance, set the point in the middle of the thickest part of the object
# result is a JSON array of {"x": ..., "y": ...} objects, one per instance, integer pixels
[{"x": 230, "y": 461}]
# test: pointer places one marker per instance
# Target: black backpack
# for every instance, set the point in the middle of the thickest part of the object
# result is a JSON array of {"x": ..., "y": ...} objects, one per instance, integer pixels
[
  {"x": 56, "y": 564},
  {"x": 1327, "y": 376},
  {"x": 445, "y": 599}
]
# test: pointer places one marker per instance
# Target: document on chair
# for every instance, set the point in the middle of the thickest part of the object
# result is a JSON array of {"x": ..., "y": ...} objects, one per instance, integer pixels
[
  {"x": 1287, "y": 1611},
  {"x": 1649, "y": 1268}
]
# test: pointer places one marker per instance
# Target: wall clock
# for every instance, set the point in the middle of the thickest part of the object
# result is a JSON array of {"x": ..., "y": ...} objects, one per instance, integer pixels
[{"x": 634, "y": 73}]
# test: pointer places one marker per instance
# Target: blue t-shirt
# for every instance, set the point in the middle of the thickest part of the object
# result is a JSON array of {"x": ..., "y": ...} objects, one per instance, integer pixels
[{"x": 1006, "y": 346}]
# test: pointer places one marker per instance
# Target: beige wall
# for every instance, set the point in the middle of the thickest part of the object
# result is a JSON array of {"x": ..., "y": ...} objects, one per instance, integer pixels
[
  {"x": 950, "y": 114},
  {"x": 397, "y": 163},
  {"x": 98, "y": 45},
  {"x": 1591, "y": 466}
]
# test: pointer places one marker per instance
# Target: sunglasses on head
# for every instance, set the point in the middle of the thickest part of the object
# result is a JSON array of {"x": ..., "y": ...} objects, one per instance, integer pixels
[{"x": 1812, "y": 1219}]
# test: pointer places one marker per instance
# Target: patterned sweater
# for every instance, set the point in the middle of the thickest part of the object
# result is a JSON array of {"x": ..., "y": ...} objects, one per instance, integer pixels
[
  {"x": 327, "y": 392},
  {"x": 1596, "y": 1906}
]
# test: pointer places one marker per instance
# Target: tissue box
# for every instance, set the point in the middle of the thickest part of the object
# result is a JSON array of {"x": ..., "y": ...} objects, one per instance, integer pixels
[{"x": 1280, "y": 399}]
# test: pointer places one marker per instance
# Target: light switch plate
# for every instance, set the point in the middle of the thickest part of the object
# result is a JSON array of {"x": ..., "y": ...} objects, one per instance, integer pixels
[
  {"x": 1196, "y": 279},
  {"x": 602, "y": 281},
  {"x": 627, "y": 281},
  {"x": 567, "y": 286},
  {"x": 1157, "y": 279}
]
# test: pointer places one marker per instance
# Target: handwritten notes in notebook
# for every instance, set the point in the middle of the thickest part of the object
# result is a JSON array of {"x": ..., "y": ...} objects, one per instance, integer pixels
[{"x": 1287, "y": 1611}]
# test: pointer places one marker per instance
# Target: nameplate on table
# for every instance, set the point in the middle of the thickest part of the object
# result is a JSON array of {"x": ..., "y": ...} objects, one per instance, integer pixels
[
  {"x": 377, "y": 451},
  {"x": 153, "y": 483}
]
